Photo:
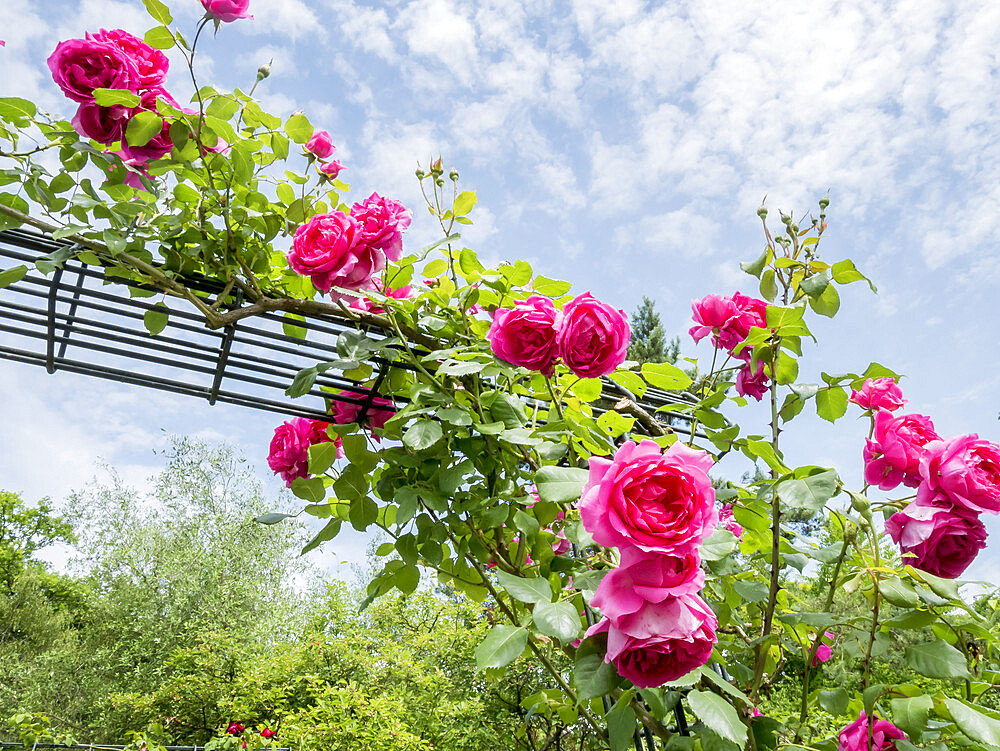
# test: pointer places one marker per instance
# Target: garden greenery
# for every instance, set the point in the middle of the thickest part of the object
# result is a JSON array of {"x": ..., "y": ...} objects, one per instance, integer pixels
[{"x": 596, "y": 534}]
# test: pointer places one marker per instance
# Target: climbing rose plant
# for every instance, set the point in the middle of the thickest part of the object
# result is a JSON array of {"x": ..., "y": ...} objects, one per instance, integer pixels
[{"x": 508, "y": 454}]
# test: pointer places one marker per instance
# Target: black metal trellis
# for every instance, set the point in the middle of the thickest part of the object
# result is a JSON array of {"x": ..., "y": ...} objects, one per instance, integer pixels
[
  {"x": 82, "y": 319},
  {"x": 115, "y": 746}
]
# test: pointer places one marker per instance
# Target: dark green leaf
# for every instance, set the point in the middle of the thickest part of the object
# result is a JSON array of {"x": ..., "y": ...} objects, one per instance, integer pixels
[
  {"x": 406, "y": 579},
  {"x": 560, "y": 620},
  {"x": 816, "y": 284},
  {"x": 592, "y": 675},
  {"x": 834, "y": 701},
  {"x": 502, "y": 645},
  {"x": 910, "y": 714},
  {"x": 560, "y": 484},
  {"x": 532, "y": 590},
  {"x": 621, "y": 723},
  {"x": 975, "y": 723},
  {"x": 719, "y": 715},
  {"x": 753, "y": 268},
  {"x": 422, "y": 435},
  {"x": 327, "y": 533},
  {"x": 309, "y": 489},
  {"x": 155, "y": 319},
  {"x": 937, "y": 659}
]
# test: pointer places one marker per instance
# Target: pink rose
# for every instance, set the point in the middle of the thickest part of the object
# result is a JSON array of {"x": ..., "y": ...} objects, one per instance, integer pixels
[
  {"x": 824, "y": 651},
  {"x": 234, "y": 728},
  {"x": 382, "y": 223},
  {"x": 102, "y": 124},
  {"x": 526, "y": 334},
  {"x": 151, "y": 63},
  {"x": 659, "y": 502},
  {"x": 751, "y": 383},
  {"x": 593, "y": 337},
  {"x": 133, "y": 176},
  {"x": 160, "y": 144},
  {"x": 936, "y": 537},
  {"x": 883, "y": 733},
  {"x": 289, "y": 452},
  {"x": 329, "y": 249},
  {"x": 727, "y": 520},
  {"x": 363, "y": 303},
  {"x": 661, "y": 641},
  {"x": 331, "y": 169},
  {"x": 643, "y": 578},
  {"x": 227, "y": 10},
  {"x": 81, "y": 65},
  {"x": 712, "y": 313},
  {"x": 751, "y": 314},
  {"x": 379, "y": 412},
  {"x": 878, "y": 393},
  {"x": 965, "y": 468},
  {"x": 268, "y": 733},
  {"x": 893, "y": 456},
  {"x": 321, "y": 144}
]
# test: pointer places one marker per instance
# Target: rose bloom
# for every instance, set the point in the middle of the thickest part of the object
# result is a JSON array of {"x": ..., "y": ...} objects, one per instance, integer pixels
[
  {"x": 893, "y": 455},
  {"x": 234, "y": 728},
  {"x": 936, "y": 537},
  {"x": 227, "y": 10},
  {"x": 268, "y": 733},
  {"x": 331, "y": 169},
  {"x": 727, "y": 520},
  {"x": 966, "y": 468},
  {"x": 379, "y": 412},
  {"x": 320, "y": 145},
  {"x": 878, "y": 393},
  {"x": 884, "y": 734},
  {"x": 659, "y": 502},
  {"x": 643, "y": 578},
  {"x": 593, "y": 337},
  {"x": 160, "y": 144},
  {"x": 526, "y": 334},
  {"x": 824, "y": 651},
  {"x": 81, "y": 65},
  {"x": 289, "y": 452},
  {"x": 661, "y": 641},
  {"x": 382, "y": 222},
  {"x": 752, "y": 384},
  {"x": 151, "y": 63},
  {"x": 329, "y": 249},
  {"x": 363, "y": 303},
  {"x": 712, "y": 313},
  {"x": 102, "y": 124}
]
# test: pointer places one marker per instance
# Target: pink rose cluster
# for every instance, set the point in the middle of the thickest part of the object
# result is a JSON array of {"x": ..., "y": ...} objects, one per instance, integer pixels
[
  {"x": 321, "y": 147},
  {"x": 114, "y": 60},
  {"x": 589, "y": 336},
  {"x": 728, "y": 521},
  {"x": 289, "y": 452},
  {"x": 956, "y": 480},
  {"x": 884, "y": 735},
  {"x": 729, "y": 321},
  {"x": 656, "y": 508},
  {"x": 348, "y": 250}
]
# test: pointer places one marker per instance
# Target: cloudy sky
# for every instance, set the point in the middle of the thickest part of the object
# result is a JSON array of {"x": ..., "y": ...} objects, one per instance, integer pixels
[{"x": 624, "y": 146}]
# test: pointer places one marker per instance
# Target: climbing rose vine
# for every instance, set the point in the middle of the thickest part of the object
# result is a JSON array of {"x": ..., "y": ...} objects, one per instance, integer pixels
[{"x": 487, "y": 422}]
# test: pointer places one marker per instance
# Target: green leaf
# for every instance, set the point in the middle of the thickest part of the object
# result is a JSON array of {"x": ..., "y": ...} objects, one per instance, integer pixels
[
  {"x": 593, "y": 676},
  {"x": 937, "y": 659},
  {"x": 834, "y": 701},
  {"x": 810, "y": 493},
  {"x": 719, "y": 715},
  {"x": 665, "y": 376},
  {"x": 327, "y": 533},
  {"x": 560, "y": 484},
  {"x": 298, "y": 128},
  {"x": 621, "y": 723},
  {"x": 534, "y": 590},
  {"x": 831, "y": 403},
  {"x": 17, "y": 111},
  {"x": 768, "y": 287},
  {"x": 979, "y": 726},
  {"x": 286, "y": 193},
  {"x": 12, "y": 276},
  {"x": 273, "y": 518},
  {"x": 464, "y": 203},
  {"x": 550, "y": 287},
  {"x": 828, "y": 303},
  {"x": 160, "y": 38},
  {"x": 290, "y": 329},
  {"x": 362, "y": 513},
  {"x": 155, "y": 319},
  {"x": 899, "y": 593},
  {"x": 753, "y": 268},
  {"x": 469, "y": 263},
  {"x": 910, "y": 714},
  {"x": 111, "y": 97},
  {"x": 844, "y": 272},
  {"x": 142, "y": 127},
  {"x": 422, "y": 435},
  {"x": 406, "y": 579},
  {"x": 309, "y": 489},
  {"x": 788, "y": 369},
  {"x": 718, "y": 545},
  {"x": 560, "y": 620},
  {"x": 158, "y": 11},
  {"x": 751, "y": 591},
  {"x": 587, "y": 389},
  {"x": 321, "y": 457},
  {"x": 630, "y": 381},
  {"x": 816, "y": 284},
  {"x": 435, "y": 268},
  {"x": 502, "y": 645}
]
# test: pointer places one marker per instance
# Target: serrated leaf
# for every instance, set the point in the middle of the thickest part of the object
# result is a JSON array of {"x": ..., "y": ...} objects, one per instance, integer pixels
[
  {"x": 531, "y": 590},
  {"x": 719, "y": 715},
  {"x": 298, "y": 128},
  {"x": 809, "y": 493},
  {"x": 831, "y": 403},
  {"x": 560, "y": 484},
  {"x": 422, "y": 435},
  {"x": 937, "y": 659},
  {"x": 464, "y": 202},
  {"x": 502, "y": 645},
  {"x": 142, "y": 127},
  {"x": 560, "y": 620}
]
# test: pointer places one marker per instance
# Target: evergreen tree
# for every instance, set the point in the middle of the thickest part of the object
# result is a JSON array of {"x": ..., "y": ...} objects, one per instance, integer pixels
[{"x": 649, "y": 340}]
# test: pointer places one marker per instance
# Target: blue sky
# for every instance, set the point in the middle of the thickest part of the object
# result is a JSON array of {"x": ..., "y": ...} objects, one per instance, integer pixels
[{"x": 626, "y": 147}]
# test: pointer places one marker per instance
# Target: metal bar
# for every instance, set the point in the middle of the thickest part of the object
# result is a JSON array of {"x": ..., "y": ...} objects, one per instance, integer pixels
[
  {"x": 371, "y": 394},
  {"x": 220, "y": 369},
  {"x": 50, "y": 342},
  {"x": 72, "y": 308}
]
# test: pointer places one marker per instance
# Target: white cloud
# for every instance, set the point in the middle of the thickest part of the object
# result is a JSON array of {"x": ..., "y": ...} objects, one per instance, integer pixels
[{"x": 437, "y": 29}]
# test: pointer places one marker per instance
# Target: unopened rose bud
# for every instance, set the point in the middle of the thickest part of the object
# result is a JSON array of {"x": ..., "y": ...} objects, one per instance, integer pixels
[
  {"x": 762, "y": 212},
  {"x": 794, "y": 228},
  {"x": 824, "y": 202},
  {"x": 264, "y": 70},
  {"x": 420, "y": 174},
  {"x": 453, "y": 175},
  {"x": 436, "y": 168}
]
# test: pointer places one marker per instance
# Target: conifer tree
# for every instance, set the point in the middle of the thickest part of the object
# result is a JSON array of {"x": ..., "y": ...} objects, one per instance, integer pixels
[{"x": 649, "y": 340}]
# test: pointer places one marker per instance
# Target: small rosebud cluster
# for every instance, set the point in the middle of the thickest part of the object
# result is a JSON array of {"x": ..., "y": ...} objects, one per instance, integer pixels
[
  {"x": 956, "y": 480},
  {"x": 729, "y": 321},
  {"x": 656, "y": 508},
  {"x": 589, "y": 336}
]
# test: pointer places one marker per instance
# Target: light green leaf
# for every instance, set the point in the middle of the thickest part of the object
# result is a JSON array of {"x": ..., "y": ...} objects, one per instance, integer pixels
[
  {"x": 560, "y": 620},
  {"x": 899, "y": 593},
  {"x": 158, "y": 11},
  {"x": 827, "y": 303},
  {"x": 665, "y": 376},
  {"x": 422, "y": 435},
  {"x": 309, "y": 489},
  {"x": 142, "y": 127},
  {"x": 831, "y": 403},
  {"x": 937, "y": 659},
  {"x": 111, "y": 97},
  {"x": 290, "y": 329},
  {"x": 755, "y": 267},
  {"x": 160, "y": 38},
  {"x": 910, "y": 714},
  {"x": 464, "y": 203},
  {"x": 298, "y": 128},
  {"x": 809, "y": 493},
  {"x": 587, "y": 389},
  {"x": 560, "y": 484},
  {"x": 550, "y": 287},
  {"x": 502, "y": 645},
  {"x": 630, "y": 381},
  {"x": 534, "y": 590},
  {"x": 321, "y": 457},
  {"x": 16, "y": 110},
  {"x": 719, "y": 715},
  {"x": 979, "y": 726},
  {"x": 12, "y": 276},
  {"x": 718, "y": 545}
]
